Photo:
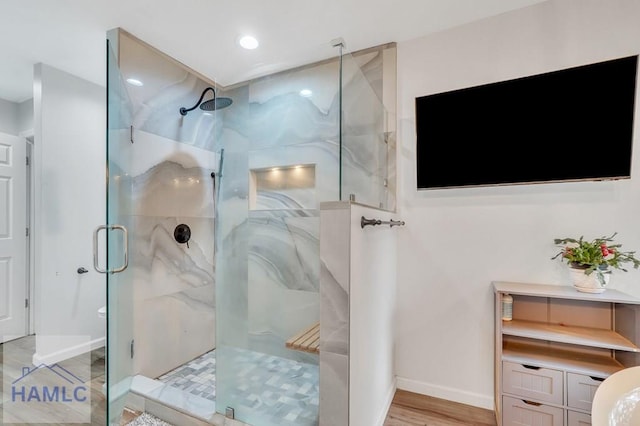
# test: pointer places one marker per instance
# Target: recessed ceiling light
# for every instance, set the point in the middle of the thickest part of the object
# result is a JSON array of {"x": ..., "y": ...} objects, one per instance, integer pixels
[
  {"x": 135, "y": 82},
  {"x": 248, "y": 42},
  {"x": 306, "y": 93}
]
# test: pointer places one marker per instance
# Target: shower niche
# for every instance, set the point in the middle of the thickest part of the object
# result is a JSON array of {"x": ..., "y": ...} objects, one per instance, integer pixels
[{"x": 284, "y": 187}]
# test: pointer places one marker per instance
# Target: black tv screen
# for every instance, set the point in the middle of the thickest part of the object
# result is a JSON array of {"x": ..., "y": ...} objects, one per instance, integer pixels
[{"x": 568, "y": 125}]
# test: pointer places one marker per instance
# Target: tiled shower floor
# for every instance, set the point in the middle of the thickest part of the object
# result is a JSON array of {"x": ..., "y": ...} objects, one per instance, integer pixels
[
  {"x": 197, "y": 377},
  {"x": 278, "y": 391}
]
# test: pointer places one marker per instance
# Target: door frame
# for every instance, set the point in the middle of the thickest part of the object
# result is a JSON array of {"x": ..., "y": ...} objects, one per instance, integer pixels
[{"x": 32, "y": 188}]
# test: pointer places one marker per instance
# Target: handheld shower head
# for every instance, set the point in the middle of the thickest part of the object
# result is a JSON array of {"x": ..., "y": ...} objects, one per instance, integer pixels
[{"x": 212, "y": 104}]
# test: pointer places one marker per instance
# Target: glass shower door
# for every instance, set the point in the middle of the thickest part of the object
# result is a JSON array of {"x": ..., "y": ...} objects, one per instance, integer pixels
[{"x": 120, "y": 345}]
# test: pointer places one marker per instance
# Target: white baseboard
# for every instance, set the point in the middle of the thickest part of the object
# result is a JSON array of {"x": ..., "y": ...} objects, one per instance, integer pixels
[
  {"x": 443, "y": 392},
  {"x": 67, "y": 353},
  {"x": 385, "y": 408}
]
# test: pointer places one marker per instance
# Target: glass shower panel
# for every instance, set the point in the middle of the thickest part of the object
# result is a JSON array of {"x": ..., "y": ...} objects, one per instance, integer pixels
[
  {"x": 281, "y": 148},
  {"x": 364, "y": 139},
  {"x": 119, "y": 285}
]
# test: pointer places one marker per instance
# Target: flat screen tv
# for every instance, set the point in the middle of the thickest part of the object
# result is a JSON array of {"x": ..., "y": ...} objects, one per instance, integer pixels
[{"x": 569, "y": 125}]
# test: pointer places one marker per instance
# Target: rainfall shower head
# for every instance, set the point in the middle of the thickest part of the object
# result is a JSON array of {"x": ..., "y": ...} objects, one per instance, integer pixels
[{"x": 212, "y": 104}]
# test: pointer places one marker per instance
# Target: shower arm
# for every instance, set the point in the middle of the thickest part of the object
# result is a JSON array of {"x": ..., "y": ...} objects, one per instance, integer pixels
[{"x": 184, "y": 111}]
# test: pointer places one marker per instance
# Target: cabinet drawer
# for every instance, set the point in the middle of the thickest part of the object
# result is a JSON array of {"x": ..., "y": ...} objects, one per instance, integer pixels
[
  {"x": 517, "y": 412},
  {"x": 578, "y": 419},
  {"x": 535, "y": 383},
  {"x": 580, "y": 390}
]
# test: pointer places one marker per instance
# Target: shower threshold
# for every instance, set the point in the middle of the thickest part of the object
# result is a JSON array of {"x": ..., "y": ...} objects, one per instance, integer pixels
[
  {"x": 159, "y": 398},
  {"x": 185, "y": 395}
]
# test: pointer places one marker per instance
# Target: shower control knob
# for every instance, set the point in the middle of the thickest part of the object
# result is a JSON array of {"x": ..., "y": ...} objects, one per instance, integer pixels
[{"x": 182, "y": 233}]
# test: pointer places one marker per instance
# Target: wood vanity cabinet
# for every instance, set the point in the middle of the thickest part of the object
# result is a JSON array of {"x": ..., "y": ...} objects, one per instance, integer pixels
[{"x": 556, "y": 350}]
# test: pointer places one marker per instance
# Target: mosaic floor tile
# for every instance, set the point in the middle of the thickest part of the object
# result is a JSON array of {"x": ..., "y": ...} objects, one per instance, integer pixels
[{"x": 277, "y": 390}]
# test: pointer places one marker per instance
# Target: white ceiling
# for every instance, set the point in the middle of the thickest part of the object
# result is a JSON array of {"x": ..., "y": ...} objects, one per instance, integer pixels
[{"x": 70, "y": 34}]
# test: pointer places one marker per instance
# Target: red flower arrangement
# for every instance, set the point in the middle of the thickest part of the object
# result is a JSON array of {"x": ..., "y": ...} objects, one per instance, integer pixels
[{"x": 600, "y": 253}]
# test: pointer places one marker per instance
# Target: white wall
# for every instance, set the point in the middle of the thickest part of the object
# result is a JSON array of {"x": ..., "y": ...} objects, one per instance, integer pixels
[
  {"x": 25, "y": 115},
  {"x": 16, "y": 117},
  {"x": 462, "y": 239},
  {"x": 8, "y": 117},
  {"x": 372, "y": 317},
  {"x": 70, "y": 202}
]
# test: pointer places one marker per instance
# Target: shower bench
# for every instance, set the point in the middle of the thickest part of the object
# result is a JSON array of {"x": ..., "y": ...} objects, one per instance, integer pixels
[{"x": 308, "y": 340}]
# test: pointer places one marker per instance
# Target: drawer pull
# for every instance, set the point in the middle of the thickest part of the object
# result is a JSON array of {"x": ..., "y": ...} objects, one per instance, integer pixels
[
  {"x": 531, "y": 367},
  {"x": 536, "y": 404},
  {"x": 597, "y": 379}
]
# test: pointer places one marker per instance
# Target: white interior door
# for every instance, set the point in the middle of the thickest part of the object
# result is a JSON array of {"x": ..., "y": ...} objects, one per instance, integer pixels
[{"x": 13, "y": 239}]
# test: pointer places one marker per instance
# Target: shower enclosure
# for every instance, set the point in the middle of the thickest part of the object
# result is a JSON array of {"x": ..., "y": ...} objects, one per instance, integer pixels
[{"x": 247, "y": 181}]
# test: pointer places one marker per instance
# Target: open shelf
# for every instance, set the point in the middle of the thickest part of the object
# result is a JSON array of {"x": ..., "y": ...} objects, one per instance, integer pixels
[
  {"x": 562, "y": 292},
  {"x": 559, "y": 346},
  {"x": 593, "y": 337},
  {"x": 579, "y": 362}
]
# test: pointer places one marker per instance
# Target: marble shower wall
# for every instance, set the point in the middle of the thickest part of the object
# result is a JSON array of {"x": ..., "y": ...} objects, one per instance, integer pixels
[
  {"x": 269, "y": 219},
  {"x": 232, "y": 229},
  {"x": 167, "y": 87},
  {"x": 294, "y": 141},
  {"x": 269, "y": 131},
  {"x": 334, "y": 314},
  {"x": 174, "y": 285},
  {"x": 172, "y": 157}
]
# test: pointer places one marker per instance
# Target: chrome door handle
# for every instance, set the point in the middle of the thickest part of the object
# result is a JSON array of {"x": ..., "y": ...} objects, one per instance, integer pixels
[
  {"x": 96, "y": 266},
  {"x": 125, "y": 246}
]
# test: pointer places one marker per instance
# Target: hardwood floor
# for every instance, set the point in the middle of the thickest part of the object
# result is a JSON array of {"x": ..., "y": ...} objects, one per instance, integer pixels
[
  {"x": 411, "y": 409},
  {"x": 17, "y": 354}
]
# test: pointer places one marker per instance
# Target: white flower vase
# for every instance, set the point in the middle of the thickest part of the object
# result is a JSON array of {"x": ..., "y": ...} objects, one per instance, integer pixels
[{"x": 595, "y": 282}]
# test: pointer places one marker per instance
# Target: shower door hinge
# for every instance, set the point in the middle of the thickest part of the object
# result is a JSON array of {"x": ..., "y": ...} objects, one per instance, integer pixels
[
  {"x": 27, "y": 161},
  {"x": 26, "y": 234},
  {"x": 26, "y": 303},
  {"x": 131, "y": 348},
  {"x": 131, "y": 133},
  {"x": 229, "y": 413}
]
